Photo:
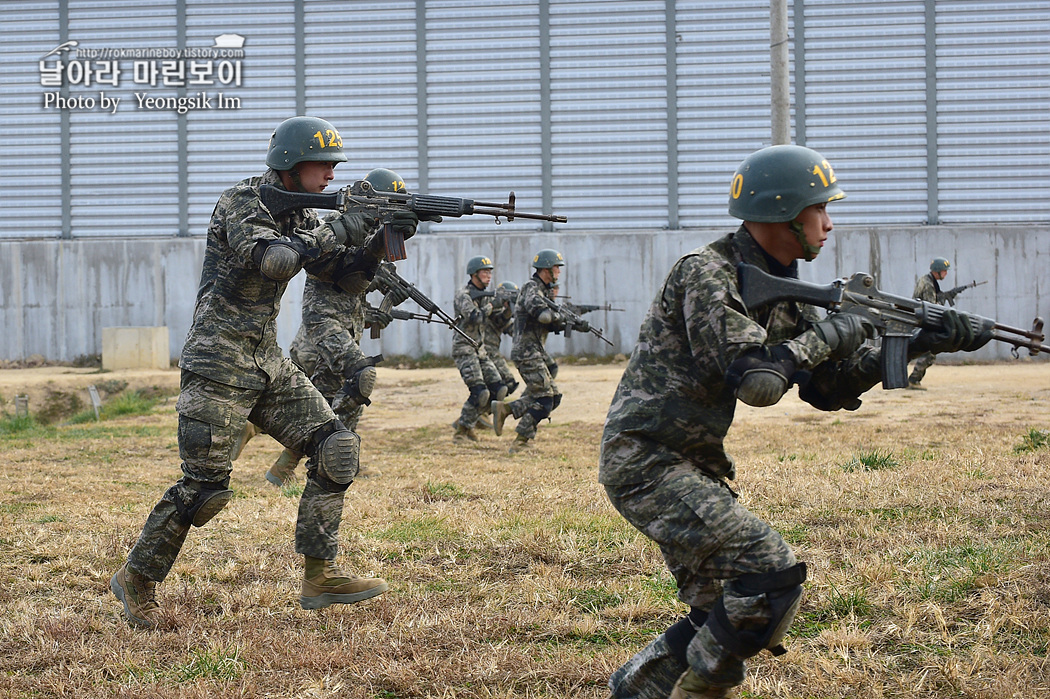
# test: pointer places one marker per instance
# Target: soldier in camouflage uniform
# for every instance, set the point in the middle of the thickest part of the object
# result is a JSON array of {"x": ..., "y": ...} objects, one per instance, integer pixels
[
  {"x": 662, "y": 460},
  {"x": 233, "y": 371},
  {"x": 327, "y": 345},
  {"x": 501, "y": 322},
  {"x": 473, "y": 306},
  {"x": 534, "y": 319},
  {"x": 928, "y": 289}
]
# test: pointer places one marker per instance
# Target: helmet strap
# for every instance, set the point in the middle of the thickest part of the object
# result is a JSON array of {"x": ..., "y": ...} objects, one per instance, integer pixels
[
  {"x": 809, "y": 252},
  {"x": 296, "y": 179}
]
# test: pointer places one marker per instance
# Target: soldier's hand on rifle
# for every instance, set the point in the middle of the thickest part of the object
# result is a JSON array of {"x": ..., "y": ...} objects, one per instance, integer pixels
[
  {"x": 352, "y": 228},
  {"x": 956, "y": 334},
  {"x": 375, "y": 317},
  {"x": 405, "y": 223},
  {"x": 844, "y": 333},
  {"x": 582, "y": 326}
]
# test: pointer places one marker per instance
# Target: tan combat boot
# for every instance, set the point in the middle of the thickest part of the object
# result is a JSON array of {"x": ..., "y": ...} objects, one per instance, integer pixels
[
  {"x": 250, "y": 430},
  {"x": 483, "y": 423},
  {"x": 463, "y": 433},
  {"x": 520, "y": 444},
  {"x": 500, "y": 412},
  {"x": 692, "y": 686},
  {"x": 324, "y": 584},
  {"x": 283, "y": 470},
  {"x": 138, "y": 595}
]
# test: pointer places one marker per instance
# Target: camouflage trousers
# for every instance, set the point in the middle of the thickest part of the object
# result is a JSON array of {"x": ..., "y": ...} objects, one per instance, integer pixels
[
  {"x": 541, "y": 394},
  {"x": 924, "y": 362},
  {"x": 506, "y": 374},
  {"x": 706, "y": 538},
  {"x": 476, "y": 371},
  {"x": 330, "y": 382},
  {"x": 212, "y": 417}
]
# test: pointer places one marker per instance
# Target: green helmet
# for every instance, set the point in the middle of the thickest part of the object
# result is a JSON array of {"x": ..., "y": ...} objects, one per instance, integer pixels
[
  {"x": 383, "y": 180},
  {"x": 509, "y": 286},
  {"x": 774, "y": 184},
  {"x": 939, "y": 264},
  {"x": 545, "y": 259},
  {"x": 304, "y": 139},
  {"x": 476, "y": 264}
]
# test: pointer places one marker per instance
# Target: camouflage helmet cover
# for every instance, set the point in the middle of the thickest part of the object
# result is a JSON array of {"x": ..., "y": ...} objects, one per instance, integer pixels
[
  {"x": 304, "y": 139},
  {"x": 939, "y": 264},
  {"x": 775, "y": 184},
  {"x": 545, "y": 259},
  {"x": 476, "y": 264}
]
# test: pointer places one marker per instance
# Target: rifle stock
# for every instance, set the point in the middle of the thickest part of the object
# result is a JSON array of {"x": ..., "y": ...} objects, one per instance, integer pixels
[{"x": 895, "y": 317}]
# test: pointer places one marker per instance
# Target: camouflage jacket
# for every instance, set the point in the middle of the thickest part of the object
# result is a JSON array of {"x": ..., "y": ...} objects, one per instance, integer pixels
[
  {"x": 233, "y": 337},
  {"x": 530, "y": 335},
  {"x": 473, "y": 312},
  {"x": 927, "y": 289},
  {"x": 332, "y": 325},
  {"x": 673, "y": 401},
  {"x": 499, "y": 322}
]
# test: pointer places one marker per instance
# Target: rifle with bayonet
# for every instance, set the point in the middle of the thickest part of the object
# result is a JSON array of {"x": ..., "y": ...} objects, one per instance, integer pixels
[
  {"x": 894, "y": 317},
  {"x": 582, "y": 308},
  {"x": 397, "y": 283},
  {"x": 362, "y": 197},
  {"x": 574, "y": 319},
  {"x": 950, "y": 295}
]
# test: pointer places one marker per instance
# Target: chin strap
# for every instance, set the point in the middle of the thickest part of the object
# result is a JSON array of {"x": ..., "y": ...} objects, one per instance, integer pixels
[{"x": 809, "y": 252}]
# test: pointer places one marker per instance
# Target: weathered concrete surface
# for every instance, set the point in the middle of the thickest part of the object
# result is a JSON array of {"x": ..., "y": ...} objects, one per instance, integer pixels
[{"x": 56, "y": 296}]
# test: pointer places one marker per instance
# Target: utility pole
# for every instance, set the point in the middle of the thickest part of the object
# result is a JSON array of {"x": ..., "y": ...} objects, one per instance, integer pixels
[{"x": 780, "y": 113}]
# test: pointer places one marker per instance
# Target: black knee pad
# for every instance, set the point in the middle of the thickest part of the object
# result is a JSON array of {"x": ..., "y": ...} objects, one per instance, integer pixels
[
  {"x": 679, "y": 634},
  {"x": 783, "y": 590},
  {"x": 553, "y": 369},
  {"x": 555, "y": 402},
  {"x": 206, "y": 504},
  {"x": 479, "y": 396},
  {"x": 497, "y": 391},
  {"x": 541, "y": 408},
  {"x": 334, "y": 452},
  {"x": 361, "y": 380}
]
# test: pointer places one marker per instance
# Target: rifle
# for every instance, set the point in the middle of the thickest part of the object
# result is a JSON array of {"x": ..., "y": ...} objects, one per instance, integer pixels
[
  {"x": 499, "y": 295},
  {"x": 895, "y": 317},
  {"x": 582, "y": 308},
  {"x": 950, "y": 295},
  {"x": 362, "y": 197},
  {"x": 573, "y": 319},
  {"x": 394, "y": 279}
]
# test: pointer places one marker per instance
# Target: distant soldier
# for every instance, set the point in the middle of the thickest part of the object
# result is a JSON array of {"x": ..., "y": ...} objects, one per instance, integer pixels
[
  {"x": 534, "y": 319},
  {"x": 928, "y": 289},
  {"x": 474, "y": 306},
  {"x": 500, "y": 323},
  {"x": 233, "y": 371}
]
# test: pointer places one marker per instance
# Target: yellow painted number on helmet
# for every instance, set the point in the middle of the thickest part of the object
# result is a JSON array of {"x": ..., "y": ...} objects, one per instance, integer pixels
[
  {"x": 830, "y": 178},
  {"x": 334, "y": 140},
  {"x": 738, "y": 185}
]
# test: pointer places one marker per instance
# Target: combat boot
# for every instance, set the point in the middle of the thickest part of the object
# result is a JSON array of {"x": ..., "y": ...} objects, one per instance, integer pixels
[
  {"x": 520, "y": 444},
  {"x": 250, "y": 430},
  {"x": 483, "y": 422},
  {"x": 463, "y": 433},
  {"x": 138, "y": 595},
  {"x": 692, "y": 686},
  {"x": 325, "y": 584},
  {"x": 916, "y": 385},
  {"x": 500, "y": 412},
  {"x": 283, "y": 470}
]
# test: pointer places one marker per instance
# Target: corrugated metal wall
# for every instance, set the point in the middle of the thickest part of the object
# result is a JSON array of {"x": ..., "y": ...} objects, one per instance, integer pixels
[{"x": 621, "y": 114}]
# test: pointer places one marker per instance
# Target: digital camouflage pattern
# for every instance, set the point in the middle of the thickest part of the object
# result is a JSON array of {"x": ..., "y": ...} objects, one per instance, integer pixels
[
  {"x": 475, "y": 367},
  {"x": 233, "y": 371},
  {"x": 662, "y": 460},
  {"x": 500, "y": 323},
  {"x": 926, "y": 289},
  {"x": 529, "y": 354}
]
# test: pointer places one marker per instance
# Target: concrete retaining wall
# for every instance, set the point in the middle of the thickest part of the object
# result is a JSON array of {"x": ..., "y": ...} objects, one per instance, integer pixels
[{"x": 57, "y": 295}]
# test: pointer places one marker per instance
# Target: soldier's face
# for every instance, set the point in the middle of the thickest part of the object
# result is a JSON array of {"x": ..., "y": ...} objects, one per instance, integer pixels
[
  {"x": 939, "y": 276},
  {"x": 315, "y": 176},
  {"x": 482, "y": 278},
  {"x": 816, "y": 225}
]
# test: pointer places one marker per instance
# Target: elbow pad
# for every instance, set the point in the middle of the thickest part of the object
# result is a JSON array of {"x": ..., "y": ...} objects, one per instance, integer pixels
[
  {"x": 546, "y": 316},
  {"x": 279, "y": 260},
  {"x": 761, "y": 377}
]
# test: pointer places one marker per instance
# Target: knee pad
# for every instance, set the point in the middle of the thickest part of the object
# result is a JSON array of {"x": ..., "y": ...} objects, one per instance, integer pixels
[
  {"x": 512, "y": 386},
  {"x": 541, "y": 408},
  {"x": 553, "y": 369},
  {"x": 555, "y": 402},
  {"x": 479, "y": 396},
  {"x": 361, "y": 380},
  {"x": 206, "y": 504},
  {"x": 335, "y": 450},
  {"x": 497, "y": 391},
  {"x": 783, "y": 591},
  {"x": 679, "y": 634}
]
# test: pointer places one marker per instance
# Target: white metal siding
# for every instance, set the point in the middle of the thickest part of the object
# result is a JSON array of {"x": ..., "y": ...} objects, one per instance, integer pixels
[
  {"x": 32, "y": 172},
  {"x": 865, "y": 82},
  {"x": 608, "y": 113},
  {"x": 993, "y": 111}
]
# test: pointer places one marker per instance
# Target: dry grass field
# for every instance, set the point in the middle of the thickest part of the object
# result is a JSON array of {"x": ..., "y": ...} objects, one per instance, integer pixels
[{"x": 924, "y": 518}]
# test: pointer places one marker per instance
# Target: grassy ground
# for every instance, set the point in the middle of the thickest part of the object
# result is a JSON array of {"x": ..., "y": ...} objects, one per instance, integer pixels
[{"x": 923, "y": 517}]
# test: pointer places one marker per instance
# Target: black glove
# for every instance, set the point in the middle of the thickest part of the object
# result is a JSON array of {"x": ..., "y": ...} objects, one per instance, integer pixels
[
  {"x": 404, "y": 222},
  {"x": 956, "y": 334},
  {"x": 433, "y": 218},
  {"x": 582, "y": 326},
  {"x": 844, "y": 332},
  {"x": 376, "y": 317},
  {"x": 352, "y": 228},
  {"x": 388, "y": 284},
  {"x": 356, "y": 271}
]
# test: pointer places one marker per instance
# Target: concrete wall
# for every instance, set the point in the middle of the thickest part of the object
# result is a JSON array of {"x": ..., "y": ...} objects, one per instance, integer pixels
[{"x": 57, "y": 295}]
